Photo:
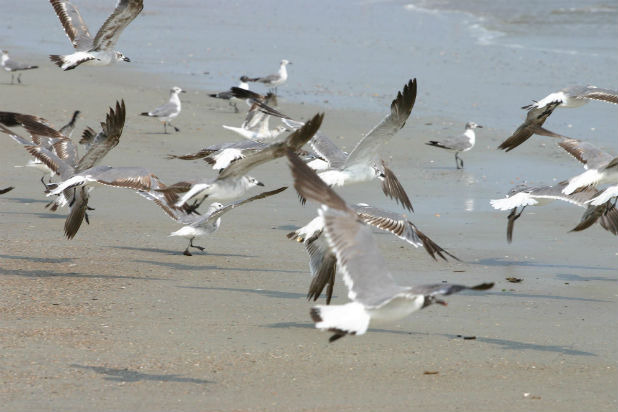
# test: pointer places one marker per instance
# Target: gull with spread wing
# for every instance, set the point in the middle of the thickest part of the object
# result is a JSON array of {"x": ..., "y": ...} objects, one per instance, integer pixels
[
  {"x": 322, "y": 259},
  {"x": 200, "y": 225},
  {"x": 98, "y": 51},
  {"x": 233, "y": 182},
  {"x": 374, "y": 294}
]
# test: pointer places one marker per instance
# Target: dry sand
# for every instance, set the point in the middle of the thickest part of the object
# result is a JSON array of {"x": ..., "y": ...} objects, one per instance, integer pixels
[{"x": 119, "y": 319}]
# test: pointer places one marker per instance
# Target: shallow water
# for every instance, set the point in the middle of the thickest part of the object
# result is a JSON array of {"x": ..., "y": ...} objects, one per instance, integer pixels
[{"x": 475, "y": 60}]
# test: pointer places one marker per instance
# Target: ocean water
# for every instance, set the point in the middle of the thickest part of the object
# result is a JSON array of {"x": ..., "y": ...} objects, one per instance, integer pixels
[{"x": 474, "y": 60}]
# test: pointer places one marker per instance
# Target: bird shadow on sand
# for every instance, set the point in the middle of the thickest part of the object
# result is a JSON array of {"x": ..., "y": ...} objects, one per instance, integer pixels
[
  {"x": 262, "y": 292},
  {"x": 504, "y": 262},
  {"x": 38, "y": 259},
  {"x": 182, "y": 266},
  {"x": 510, "y": 294},
  {"x": 298, "y": 325},
  {"x": 521, "y": 346},
  {"x": 177, "y": 252},
  {"x": 127, "y": 375},
  {"x": 48, "y": 274},
  {"x": 26, "y": 200}
]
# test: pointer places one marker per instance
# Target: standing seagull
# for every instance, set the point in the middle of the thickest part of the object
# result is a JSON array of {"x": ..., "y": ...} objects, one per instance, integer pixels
[
  {"x": 374, "y": 293},
  {"x": 458, "y": 144},
  {"x": 274, "y": 80},
  {"x": 98, "y": 51},
  {"x": 169, "y": 110},
  {"x": 12, "y": 66}
]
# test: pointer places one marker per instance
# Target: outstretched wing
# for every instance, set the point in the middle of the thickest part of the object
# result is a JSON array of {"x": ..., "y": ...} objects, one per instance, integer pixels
[
  {"x": 587, "y": 153},
  {"x": 367, "y": 149},
  {"x": 108, "y": 34},
  {"x": 446, "y": 289},
  {"x": 73, "y": 24},
  {"x": 105, "y": 140}
]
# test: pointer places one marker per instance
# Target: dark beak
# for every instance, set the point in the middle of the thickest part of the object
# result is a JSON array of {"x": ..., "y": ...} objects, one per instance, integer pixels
[
  {"x": 478, "y": 125},
  {"x": 126, "y": 59},
  {"x": 260, "y": 184}
]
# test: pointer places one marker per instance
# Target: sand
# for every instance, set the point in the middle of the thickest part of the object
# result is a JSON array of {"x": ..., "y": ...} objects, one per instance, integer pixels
[{"x": 119, "y": 319}]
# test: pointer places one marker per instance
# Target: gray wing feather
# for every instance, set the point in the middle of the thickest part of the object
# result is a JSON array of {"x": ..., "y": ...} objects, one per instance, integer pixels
[
  {"x": 367, "y": 149},
  {"x": 73, "y": 24},
  {"x": 363, "y": 268},
  {"x": 108, "y": 34},
  {"x": 586, "y": 152},
  {"x": 107, "y": 139}
]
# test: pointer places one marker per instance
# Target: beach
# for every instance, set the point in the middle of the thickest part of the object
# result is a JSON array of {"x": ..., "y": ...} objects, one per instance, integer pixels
[{"x": 119, "y": 319}]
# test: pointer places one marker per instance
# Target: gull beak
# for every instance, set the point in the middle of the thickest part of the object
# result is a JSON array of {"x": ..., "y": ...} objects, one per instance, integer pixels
[
  {"x": 126, "y": 59},
  {"x": 183, "y": 91},
  {"x": 260, "y": 184},
  {"x": 478, "y": 125}
]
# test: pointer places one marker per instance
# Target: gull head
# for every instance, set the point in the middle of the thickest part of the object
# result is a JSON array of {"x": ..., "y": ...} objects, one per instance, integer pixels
[
  {"x": 285, "y": 62},
  {"x": 472, "y": 125},
  {"x": 214, "y": 207},
  {"x": 177, "y": 90},
  {"x": 251, "y": 182},
  {"x": 119, "y": 57}
]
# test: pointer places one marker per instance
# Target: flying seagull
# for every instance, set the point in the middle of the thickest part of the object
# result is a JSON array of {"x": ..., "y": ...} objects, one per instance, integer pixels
[
  {"x": 200, "y": 225},
  {"x": 12, "y": 66},
  {"x": 169, "y": 110},
  {"x": 339, "y": 168},
  {"x": 458, "y": 144},
  {"x": 575, "y": 96},
  {"x": 532, "y": 125},
  {"x": 233, "y": 181},
  {"x": 322, "y": 259},
  {"x": 98, "y": 51},
  {"x": 601, "y": 167},
  {"x": 374, "y": 294},
  {"x": 522, "y": 196}
]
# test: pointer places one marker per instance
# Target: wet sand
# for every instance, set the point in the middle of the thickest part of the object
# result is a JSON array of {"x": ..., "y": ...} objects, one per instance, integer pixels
[{"x": 119, "y": 319}]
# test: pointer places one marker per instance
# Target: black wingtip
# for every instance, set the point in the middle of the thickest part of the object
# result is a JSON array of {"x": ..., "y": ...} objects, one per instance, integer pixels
[
  {"x": 483, "y": 286},
  {"x": 315, "y": 314}
]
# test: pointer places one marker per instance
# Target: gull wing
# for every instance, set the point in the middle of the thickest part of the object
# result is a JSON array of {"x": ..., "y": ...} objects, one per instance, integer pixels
[
  {"x": 363, "y": 268},
  {"x": 446, "y": 289},
  {"x": 323, "y": 266},
  {"x": 366, "y": 150},
  {"x": 532, "y": 125},
  {"x": 136, "y": 178},
  {"x": 585, "y": 152},
  {"x": 322, "y": 145},
  {"x": 203, "y": 220},
  {"x": 593, "y": 93},
  {"x": 73, "y": 24},
  {"x": 126, "y": 11},
  {"x": 106, "y": 139},
  {"x": 51, "y": 160},
  {"x": 393, "y": 189},
  {"x": 294, "y": 142},
  {"x": 78, "y": 211}
]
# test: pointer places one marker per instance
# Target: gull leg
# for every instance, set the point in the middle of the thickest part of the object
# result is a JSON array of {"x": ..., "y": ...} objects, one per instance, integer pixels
[
  {"x": 175, "y": 128},
  {"x": 458, "y": 161},
  {"x": 512, "y": 217},
  {"x": 196, "y": 246},
  {"x": 19, "y": 78},
  {"x": 233, "y": 104},
  {"x": 186, "y": 252},
  {"x": 12, "y": 78},
  {"x": 195, "y": 205},
  {"x": 165, "y": 127}
]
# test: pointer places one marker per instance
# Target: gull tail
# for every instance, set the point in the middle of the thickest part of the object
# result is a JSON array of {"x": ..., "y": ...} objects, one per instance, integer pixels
[{"x": 348, "y": 319}]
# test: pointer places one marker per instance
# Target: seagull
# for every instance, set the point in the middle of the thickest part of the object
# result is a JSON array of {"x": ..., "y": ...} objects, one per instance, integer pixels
[
  {"x": 228, "y": 95},
  {"x": 609, "y": 193},
  {"x": 200, "y": 225},
  {"x": 169, "y": 110},
  {"x": 458, "y": 144},
  {"x": 232, "y": 181},
  {"x": 605, "y": 213},
  {"x": 263, "y": 133},
  {"x": 222, "y": 155},
  {"x": 532, "y": 125},
  {"x": 98, "y": 51},
  {"x": 12, "y": 66},
  {"x": 601, "y": 166},
  {"x": 60, "y": 155},
  {"x": 575, "y": 96},
  {"x": 274, "y": 80},
  {"x": 374, "y": 294},
  {"x": 522, "y": 196},
  {"x": 338, "y": 168},
  {"x": 322, "y": 259}
]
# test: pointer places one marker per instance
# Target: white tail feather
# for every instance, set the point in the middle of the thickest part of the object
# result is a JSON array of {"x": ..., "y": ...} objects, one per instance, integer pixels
[{"x": 351, "y": 318}]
